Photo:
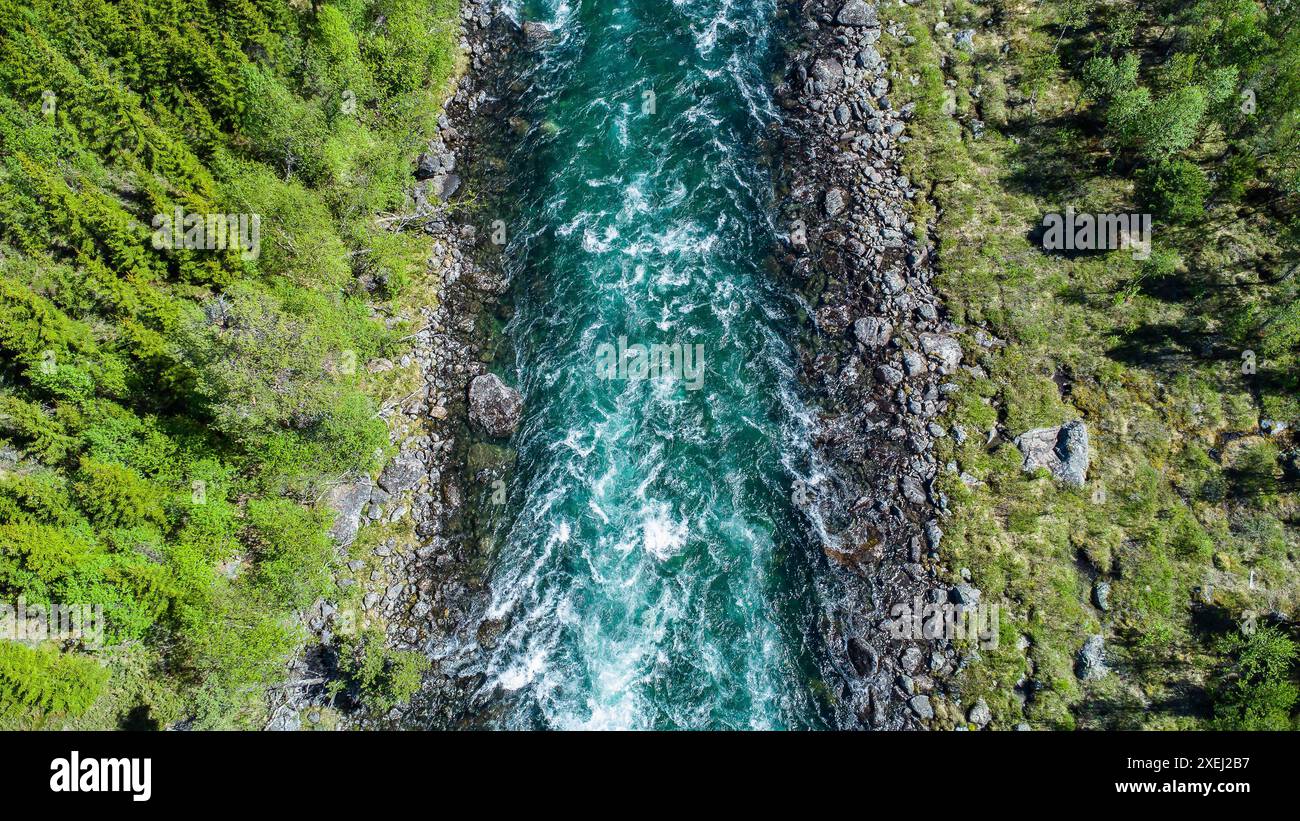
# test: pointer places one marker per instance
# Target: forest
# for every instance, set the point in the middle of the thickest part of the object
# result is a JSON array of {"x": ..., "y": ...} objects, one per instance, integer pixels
[{"x": 171, "y": 412}]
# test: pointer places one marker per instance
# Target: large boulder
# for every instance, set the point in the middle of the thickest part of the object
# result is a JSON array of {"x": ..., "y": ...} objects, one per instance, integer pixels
[
  {"x": 922, "y": 707},
  {"x": 869, "y": 58},
  {"x": 348, "y": 501},
  {"x": 872, "y": 332},
  {"x": 446, "y": 185},
  {"x": 1063, "y": 451},
  {"x": 536, "y": 34},
  {"x": 494, "y": 406},
  {"x": 857, "y": 13},
  {"x": 1101, "y": 595},
  {"x": 966, "y": 594},
  {"x": 834, "y": 202},
  {"x": 943, "y": 349},
  {"x": 828, "y": 70},
  {"x": 427, "y": 167},
  {"x": 863, "y": 658},
  {"x": 403, "y": 473}
]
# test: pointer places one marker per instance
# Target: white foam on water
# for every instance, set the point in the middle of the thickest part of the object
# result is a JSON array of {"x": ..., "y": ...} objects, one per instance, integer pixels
[
  {"x": 600, "y": 513},
  {"x": 525, "y": 672},
  {"x": 593, "y": 244},
  {"x": 662, "y": 536}
]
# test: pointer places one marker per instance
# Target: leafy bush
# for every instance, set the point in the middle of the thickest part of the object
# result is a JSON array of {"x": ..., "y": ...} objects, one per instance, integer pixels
[
  {"x": 47, "y": 681},
  {"x": 382, "y": 678},
  {"x": 1174, "y": 191},
  {"x": 1256, "y": 692}
]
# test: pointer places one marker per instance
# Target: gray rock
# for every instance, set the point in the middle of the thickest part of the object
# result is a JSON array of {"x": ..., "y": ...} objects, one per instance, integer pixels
[
  {"x": 910, "y": 660},
  {"x": 921, "y": 706},
  {"x": 862, "y": 657},
  {"x": 285, "y": 721},
  {"x": 966, "y": 594},
  {"x": 857, "y": 13},
  {"x": 1063, "y": 451},
  {"x": 933, "y": 534},
  {"x": 965, "y": 40},
  {"x": 872, "y": 331},
  {"x": 348, "y": 501},
  {"x": 446, "y": 185},
  {"x": 980, "y": 715},
  {"x": 938, "y": 664},
  {"x": 868, "y": 58},
  {"x": 834, "y": 202},
  {"x": 894, "y": 282},
  {"x": 1092, "y": 659},
  {"x": 913, "y": 490},
  {"x": 1101, "y": 595},
  {"x": 536, "y": 34},
  {"x": 913, "y": 363},
  {"x": 494, "y": 406},
  {"x": 829, "y": 71},
  {"x": 943, "y": 349},
  {"x": 402, "y": 473},
  {"x": 427, "y": 167},
  {"x": 1272, "y": 427}
]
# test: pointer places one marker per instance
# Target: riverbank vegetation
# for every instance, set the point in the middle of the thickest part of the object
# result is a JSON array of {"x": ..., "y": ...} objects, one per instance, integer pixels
[
  {"x": 171, "y": 416},
  {"x": 1181, "y": 550}
]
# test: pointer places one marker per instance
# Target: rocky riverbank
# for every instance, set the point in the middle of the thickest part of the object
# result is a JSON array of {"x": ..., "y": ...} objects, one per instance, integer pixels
[
  {"x": 422, "y": 572},
  {"x": 879, "y": 357}
]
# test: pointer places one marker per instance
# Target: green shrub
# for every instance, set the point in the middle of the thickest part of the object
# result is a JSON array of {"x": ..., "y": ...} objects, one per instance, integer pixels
[
  {"x": 45, "y": 680},
  {"x": 116, "y": 496},
  {"x": 1256, "y": 691},
  {"x": 382, "y": 677},
  {"x": 161, "y": 400},
  {"x": 294, "y": 556},
  {"x": 1174, "y": 191}
]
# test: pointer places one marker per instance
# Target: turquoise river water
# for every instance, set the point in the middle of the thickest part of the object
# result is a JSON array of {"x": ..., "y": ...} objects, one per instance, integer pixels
[{"x": 651, "y": 571}]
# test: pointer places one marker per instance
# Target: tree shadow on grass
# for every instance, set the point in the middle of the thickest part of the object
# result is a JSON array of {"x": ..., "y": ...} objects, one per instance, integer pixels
[
  {"x": 1165, "y": 345},
  {"x": 1051, "y": 162}
]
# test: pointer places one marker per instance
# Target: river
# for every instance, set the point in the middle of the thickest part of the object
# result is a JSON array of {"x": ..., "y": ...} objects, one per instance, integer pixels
[{"x": 650, "y": 569}]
